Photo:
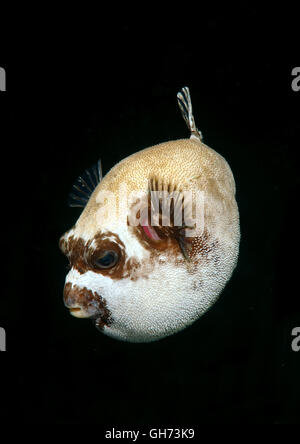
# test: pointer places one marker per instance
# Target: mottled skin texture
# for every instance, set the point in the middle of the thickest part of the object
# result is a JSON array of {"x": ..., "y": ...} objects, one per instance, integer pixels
[{"x": 155, "y": 291}]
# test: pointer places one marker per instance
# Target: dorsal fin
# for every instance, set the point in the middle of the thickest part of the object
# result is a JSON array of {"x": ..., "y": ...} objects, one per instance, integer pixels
[
  {"x": 185, "y": 105},
  {"x": 85, "y": 185}
]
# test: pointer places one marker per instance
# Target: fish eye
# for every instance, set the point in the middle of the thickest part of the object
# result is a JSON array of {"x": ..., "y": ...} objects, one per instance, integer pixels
[{"x": 108, "y": 259}]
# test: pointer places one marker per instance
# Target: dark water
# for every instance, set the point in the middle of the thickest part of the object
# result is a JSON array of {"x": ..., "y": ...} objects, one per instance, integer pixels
[{"x": 76, "y": 103}]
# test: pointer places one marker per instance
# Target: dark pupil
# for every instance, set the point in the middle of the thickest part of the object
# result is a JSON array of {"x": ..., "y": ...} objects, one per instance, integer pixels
[{"x": 106, "y": 260}]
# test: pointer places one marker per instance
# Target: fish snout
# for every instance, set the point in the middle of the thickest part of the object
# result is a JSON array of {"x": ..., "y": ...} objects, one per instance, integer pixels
[{"x": 81, "y": 302}]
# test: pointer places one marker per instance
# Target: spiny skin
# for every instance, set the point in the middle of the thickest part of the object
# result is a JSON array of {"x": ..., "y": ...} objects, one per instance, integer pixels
[{"x": 157, "y": 292}]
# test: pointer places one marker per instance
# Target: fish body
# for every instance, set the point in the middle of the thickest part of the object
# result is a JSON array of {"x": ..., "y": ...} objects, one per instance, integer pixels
[{"x": 142, "y": 273}]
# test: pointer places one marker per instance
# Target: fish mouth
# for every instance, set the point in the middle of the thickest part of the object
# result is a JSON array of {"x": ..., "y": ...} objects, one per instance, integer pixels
[
  {"x": 78, "y": 312},
  {"x": 99, "y": 317},
  {"x": 84, "y": 303},
  {"x": 73, "y": 310}
]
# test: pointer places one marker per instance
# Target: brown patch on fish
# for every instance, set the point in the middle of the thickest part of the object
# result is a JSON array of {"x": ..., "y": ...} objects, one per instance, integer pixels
[
  {"x": 83, "y": 255},
  {"x": 89, "y": 301},
  {"x": 204, "y": 245},
  {"x": 100, "y": 324}
]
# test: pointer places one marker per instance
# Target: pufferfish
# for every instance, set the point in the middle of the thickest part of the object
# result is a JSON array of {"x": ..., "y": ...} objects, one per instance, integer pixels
[{"x": 137, "y": 277}]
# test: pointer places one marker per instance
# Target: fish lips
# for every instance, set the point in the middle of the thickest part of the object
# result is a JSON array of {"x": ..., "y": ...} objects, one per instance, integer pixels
[
  {"x": 83, "y": 303},
  {"x": 99, "y": 316},
  {"x": 88, "y": 312}
]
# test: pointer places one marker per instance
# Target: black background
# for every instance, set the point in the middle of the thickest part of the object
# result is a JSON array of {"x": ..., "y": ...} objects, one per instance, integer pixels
[{"x": 84, "y": 89}]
